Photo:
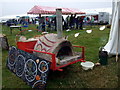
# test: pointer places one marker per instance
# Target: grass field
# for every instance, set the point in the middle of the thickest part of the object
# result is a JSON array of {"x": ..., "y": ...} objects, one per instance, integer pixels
[{"x": 73, "y": 76}]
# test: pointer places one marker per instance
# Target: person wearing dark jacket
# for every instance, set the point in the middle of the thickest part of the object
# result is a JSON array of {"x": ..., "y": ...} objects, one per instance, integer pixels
[
  {"x": 81, "y": 23},
  {"x": 71, "y": 21},
  {"x": 55, "y": 22}
]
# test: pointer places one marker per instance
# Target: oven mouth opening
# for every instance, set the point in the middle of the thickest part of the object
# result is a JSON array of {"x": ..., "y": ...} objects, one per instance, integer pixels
[{"x": 64, "y": 52}]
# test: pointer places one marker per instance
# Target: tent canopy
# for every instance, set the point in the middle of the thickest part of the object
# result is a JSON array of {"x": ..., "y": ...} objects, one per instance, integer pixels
[
  {"x": 52, "y": 10},
  {"x": 113, "y": 45}
]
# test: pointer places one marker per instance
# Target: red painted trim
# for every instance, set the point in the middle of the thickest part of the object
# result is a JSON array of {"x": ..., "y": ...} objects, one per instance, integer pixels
[
  {"x": 27, "y": 29},
  {"x": 83, "y": 51},
  {"x": 81, "y": 60},
  {"x": 53, "y": 61},
  {"x": 39, "y": 51},
  {"x": 79, "y": 46},
  {"x": 42, "y": 48},
  {"x": 53, "y": 67},
  {"x": 44, "y": 43},
  {"x": 48, "y": 40}
]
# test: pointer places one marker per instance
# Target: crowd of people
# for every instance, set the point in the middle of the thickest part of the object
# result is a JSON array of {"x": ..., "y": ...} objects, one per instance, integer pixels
[{"x": 70, "y": 22}]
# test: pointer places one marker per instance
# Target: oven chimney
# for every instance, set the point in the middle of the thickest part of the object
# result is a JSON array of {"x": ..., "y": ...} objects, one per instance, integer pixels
[{"x": 59, "y": 23}]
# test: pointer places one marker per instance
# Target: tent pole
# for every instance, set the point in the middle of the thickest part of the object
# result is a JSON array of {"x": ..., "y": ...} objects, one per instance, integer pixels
[
  {"x": 45, "y": 24},
  {"x": 118, "y": 3}
]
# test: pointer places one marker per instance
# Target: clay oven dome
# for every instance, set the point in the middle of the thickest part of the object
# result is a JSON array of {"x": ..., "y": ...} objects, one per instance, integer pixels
[{"x": 50, "y": 43}]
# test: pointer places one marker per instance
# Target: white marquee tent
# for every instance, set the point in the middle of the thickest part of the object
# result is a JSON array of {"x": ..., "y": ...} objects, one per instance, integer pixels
[
  {"x": 97, "y": 10},
  {"x": 113, "y": 44}
]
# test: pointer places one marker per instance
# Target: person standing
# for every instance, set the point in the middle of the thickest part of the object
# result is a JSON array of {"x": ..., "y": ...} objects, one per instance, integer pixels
[
  {"x": 74, "y": 21},
  {"x": 71, "y": 21},
  {"x": 68, "y": 22},
  {"x": 92, "y": 20},
  {"x": 81, "y": 23},
  {"x": 77, "y": 22}
]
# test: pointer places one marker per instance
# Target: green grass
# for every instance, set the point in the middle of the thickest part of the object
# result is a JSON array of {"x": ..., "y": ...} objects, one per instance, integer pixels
[{"x": 73, "y": 76}]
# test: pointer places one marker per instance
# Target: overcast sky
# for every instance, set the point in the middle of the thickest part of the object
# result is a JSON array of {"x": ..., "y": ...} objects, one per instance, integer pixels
[{"x": 12, "y": 7}]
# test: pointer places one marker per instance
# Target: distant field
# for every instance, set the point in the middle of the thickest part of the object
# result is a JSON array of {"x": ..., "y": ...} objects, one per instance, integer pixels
[{"x": 73, "y": 76}]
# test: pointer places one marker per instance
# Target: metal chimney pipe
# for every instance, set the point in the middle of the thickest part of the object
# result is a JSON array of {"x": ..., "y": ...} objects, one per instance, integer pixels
[{"x": 59, "y": 23}]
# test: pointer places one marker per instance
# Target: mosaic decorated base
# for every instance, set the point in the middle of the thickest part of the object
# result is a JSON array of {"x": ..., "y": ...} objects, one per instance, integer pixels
[{"x": 30, "y": 68}]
